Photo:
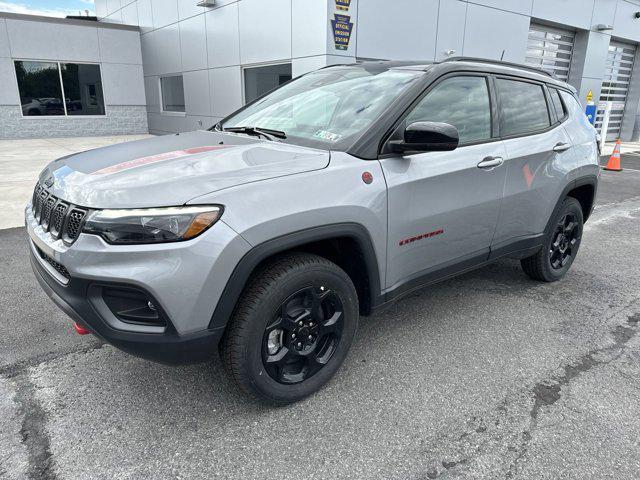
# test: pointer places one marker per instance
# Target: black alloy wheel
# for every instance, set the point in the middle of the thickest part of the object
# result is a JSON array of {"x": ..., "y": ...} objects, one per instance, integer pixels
[
  {"x": 292, "y": 328},
  {"x": 565, "y": 239},
  {"x": 304, "y": 335},
  {"x": 560, "y": 244}
]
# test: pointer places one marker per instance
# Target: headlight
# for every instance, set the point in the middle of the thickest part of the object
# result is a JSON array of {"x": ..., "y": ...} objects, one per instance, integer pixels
[{"x": 151, "y": 225}]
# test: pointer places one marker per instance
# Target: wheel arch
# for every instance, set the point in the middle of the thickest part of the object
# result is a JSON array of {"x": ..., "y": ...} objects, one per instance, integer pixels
[
  {"x": 358, "y": 259},
  {"x": 584, "y": 190}
]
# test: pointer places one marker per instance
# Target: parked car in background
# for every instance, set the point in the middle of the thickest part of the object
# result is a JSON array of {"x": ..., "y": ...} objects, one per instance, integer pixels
[
  {"x": 32, "y": 106},
  {"x": 269, "y": 235}
]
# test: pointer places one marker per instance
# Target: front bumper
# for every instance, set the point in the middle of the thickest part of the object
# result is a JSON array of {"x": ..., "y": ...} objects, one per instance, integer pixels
[
  {"x": 184, "y": 280},
  {"x": 167, "y": 347}
]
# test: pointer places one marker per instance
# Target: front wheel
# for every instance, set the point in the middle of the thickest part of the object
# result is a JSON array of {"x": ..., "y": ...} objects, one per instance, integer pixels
[
  {"x": 292, "y": 329},
  {"x": 560, "y": 247}
]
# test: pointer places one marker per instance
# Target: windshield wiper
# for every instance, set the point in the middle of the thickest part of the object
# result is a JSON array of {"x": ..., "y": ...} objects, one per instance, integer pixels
[{"x": 267, "y": 133}]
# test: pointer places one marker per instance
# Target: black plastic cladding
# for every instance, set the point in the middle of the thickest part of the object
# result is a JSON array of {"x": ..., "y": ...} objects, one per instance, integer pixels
[
  {"x": 61, "y": 219},
  {"x": 61, "y": 269}
]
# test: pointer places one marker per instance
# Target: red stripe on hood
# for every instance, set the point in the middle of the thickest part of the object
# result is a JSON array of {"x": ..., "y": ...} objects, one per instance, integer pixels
[{"x": 138, "y": 162}]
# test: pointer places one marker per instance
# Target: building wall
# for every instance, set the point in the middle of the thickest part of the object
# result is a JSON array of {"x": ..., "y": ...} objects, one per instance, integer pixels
[
  {"x": 115, "y": 48},
  {"x": 212, "y": 45}
]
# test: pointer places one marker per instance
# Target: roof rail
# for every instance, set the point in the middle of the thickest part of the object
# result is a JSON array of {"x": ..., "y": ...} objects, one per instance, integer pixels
[{"x": 500, "y": 62}]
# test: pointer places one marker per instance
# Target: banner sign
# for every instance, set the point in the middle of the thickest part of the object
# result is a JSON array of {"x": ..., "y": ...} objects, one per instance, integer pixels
[
  {"x": 342, "y": 28},
  {"x": 343, "y": 5}
]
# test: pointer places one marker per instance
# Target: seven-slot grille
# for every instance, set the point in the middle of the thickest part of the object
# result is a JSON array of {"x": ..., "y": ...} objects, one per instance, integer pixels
[{"x": 61, "y": 219}]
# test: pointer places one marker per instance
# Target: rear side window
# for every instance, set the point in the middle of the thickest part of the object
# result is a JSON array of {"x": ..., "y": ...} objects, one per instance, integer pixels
[
  {"x": 460, "y": 101},
  {"x": 523, "y": 107},
  {"x": 561, "y": 111}
]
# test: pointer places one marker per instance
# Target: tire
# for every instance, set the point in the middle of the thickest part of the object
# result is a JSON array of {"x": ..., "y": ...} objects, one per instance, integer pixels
[
  {"x": 279, "y": 304},
  {"x": 561, "y": 245}
]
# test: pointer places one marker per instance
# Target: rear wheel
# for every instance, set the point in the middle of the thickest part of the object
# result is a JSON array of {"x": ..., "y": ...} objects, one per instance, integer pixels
[
  {"x": 292, "y": 329},
  {"x": 561, "y": 245}
]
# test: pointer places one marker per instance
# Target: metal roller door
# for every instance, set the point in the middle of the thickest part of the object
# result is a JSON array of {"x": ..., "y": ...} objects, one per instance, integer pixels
[
  {"x": 550, "y": 48},
  {"x": 615, "y": 85}
]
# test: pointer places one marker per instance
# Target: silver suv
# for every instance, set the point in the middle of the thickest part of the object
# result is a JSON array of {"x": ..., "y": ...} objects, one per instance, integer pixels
[{"x": 270, "y": 234}]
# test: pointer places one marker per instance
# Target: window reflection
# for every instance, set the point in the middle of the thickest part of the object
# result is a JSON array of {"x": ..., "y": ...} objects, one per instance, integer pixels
[
  {"x": 51, "y": 88},
  {"x": 83, "y": 89},
  {"x": 462, "y": 102},
  {"x": 39, "y": 87}
]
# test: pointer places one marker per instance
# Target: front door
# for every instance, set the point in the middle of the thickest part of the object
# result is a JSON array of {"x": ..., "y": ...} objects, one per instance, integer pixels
[{"x": 443, "y": 206}]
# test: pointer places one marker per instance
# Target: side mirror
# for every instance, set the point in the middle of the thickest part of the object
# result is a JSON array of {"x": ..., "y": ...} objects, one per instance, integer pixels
[{"x": 427, "y": 137}]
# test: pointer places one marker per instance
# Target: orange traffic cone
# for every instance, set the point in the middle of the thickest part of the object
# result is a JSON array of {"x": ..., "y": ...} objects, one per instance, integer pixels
[{"x": 614, "y": 161}]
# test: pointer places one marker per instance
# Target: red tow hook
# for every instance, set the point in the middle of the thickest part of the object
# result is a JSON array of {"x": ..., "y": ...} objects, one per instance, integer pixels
[{"x": 81, "y": 330}]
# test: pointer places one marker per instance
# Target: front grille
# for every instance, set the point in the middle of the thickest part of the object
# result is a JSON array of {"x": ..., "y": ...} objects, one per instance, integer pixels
[
  {"x": 57, "y": 266},
  {"x": 57, "y": 219},
  {"x": 74, "y": 222},
  {"x": 61, "y": 219},
  {"x": 47, "y": 208}
]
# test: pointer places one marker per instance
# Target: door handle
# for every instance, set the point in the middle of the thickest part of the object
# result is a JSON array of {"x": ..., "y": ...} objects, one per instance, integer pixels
[
  {"x": 491, "y": 162},
  {"x": 561, "y": 147}
]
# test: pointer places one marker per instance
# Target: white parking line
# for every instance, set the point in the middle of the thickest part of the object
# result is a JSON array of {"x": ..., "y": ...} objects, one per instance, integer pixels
[{"x": 604, "y": 214}]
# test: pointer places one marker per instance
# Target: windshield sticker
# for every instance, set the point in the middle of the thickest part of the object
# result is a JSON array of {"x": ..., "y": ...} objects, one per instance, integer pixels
[
  {"x": 138, "y": 162},
  {"x": 328, "y": 136}
]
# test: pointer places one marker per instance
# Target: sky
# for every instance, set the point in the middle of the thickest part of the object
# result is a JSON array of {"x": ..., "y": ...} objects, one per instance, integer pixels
[{"x": 51, "y": 8}]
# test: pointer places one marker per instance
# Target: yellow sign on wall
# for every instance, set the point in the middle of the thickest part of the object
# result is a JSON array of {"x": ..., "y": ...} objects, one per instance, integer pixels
[{"x": 590, "y": 96}]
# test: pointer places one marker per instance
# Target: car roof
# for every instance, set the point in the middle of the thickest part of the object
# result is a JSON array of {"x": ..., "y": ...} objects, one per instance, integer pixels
[{"x": 463, "y": 64}]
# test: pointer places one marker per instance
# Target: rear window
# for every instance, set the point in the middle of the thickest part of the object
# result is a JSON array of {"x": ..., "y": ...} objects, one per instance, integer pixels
[
  {"x": 523, "y": 107},
  {"x": 561, "y": 111}
]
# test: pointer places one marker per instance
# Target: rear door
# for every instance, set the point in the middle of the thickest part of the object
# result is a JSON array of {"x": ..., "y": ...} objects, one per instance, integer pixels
[
  {"x": 443, "y": 206},
  {"x": 539, "y": 160}
]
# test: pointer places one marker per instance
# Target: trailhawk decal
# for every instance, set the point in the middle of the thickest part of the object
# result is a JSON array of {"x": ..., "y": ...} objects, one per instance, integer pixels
[
  {"x": 161, "y": 157},
  {"x": 407, "y": 241}
]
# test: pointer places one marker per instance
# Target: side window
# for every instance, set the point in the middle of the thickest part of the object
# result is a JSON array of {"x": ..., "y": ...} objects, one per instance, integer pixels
[
  {"x": 561, "y": 110},
  {"x": 523, "y": 107},
  {"x": 460, "y": 101}
]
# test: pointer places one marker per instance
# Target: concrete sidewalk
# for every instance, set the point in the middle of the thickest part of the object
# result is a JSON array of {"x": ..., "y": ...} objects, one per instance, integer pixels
[{"x": 21, "y": 161}]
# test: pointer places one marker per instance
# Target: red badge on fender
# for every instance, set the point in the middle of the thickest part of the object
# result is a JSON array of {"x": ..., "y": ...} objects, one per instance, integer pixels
[{"x": 367, "y": 178}]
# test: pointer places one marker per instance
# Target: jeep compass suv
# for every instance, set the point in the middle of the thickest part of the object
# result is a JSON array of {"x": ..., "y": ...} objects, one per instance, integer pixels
[{"x": 267, "y": 236}]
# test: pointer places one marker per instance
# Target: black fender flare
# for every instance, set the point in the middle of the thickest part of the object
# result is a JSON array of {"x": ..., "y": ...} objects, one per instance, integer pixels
[
  {"x": 247, "y": 264},
  {"x": 579, "y": 182}
]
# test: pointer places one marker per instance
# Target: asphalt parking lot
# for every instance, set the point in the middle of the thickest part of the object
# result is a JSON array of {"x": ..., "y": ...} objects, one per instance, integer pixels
[{"x": 489, "y": 375}]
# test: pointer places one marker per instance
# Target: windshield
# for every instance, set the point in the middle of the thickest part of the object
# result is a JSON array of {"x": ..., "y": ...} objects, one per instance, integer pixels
[{"x": 329, "y": 108}]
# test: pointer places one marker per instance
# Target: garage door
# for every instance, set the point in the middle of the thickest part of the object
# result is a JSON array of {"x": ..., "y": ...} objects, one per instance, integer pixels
[
  {"x": 550, "y": 49},
  {"x": 615, "y": 85}
]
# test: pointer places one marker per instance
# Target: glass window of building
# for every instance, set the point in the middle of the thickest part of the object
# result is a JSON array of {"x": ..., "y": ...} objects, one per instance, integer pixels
[
  {"x": 82, "y": 89},
  {"x": 172, "y": 89},
  {"x": 261, "y": 80},
  {"x": 54, "y": 88},
  {"x": 39, "y": 88}
]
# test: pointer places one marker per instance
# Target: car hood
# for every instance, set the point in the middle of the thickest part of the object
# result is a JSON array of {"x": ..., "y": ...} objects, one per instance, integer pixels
[{"x": 171, "y": 170}]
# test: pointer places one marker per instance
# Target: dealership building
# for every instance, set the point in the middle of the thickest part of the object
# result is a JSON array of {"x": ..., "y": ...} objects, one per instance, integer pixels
[{"x": 177, "y": 65}]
